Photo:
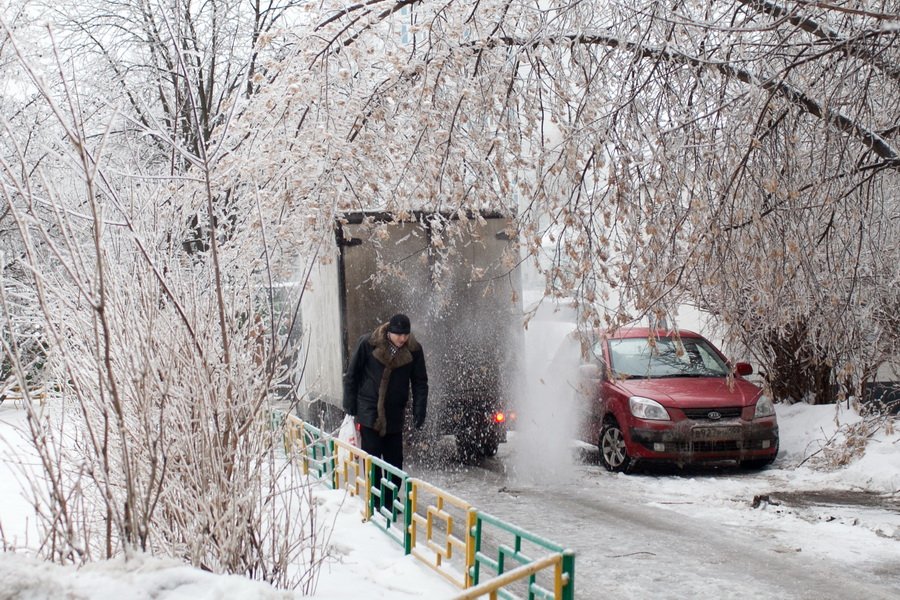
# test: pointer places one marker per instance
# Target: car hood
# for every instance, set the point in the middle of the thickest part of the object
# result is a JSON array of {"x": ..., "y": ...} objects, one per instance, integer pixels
[{"x": 693, "y": 392}]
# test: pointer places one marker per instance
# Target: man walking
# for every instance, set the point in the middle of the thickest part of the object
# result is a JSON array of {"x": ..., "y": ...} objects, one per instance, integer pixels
[{"x": 387, "y": 363}]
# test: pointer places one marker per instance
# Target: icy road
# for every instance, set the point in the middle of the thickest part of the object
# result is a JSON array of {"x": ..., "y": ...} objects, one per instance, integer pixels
[{"x": 705, "y": 533}]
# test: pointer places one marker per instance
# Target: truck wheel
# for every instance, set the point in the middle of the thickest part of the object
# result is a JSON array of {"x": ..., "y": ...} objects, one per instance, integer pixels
[
  {"x": 613, "y": 452},
  {"x": 468, "y": 450},
  {"x": 490, "y": 448}
]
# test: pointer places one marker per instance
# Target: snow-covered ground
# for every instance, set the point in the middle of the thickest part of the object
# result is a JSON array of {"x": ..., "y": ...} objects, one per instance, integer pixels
[
  {"x": 365, "y": 563},
  {"x": 792, "y": 531}
]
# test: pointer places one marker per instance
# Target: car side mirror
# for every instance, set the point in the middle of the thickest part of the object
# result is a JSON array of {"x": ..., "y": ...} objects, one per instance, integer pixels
[{"x": 743, "y": 369}]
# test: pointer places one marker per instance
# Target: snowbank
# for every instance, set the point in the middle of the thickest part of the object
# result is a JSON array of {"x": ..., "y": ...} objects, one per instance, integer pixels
[{"x": 813, "y": 441}]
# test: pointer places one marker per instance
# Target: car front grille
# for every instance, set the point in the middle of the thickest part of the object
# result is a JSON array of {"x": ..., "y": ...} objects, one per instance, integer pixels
[
  {"x": 706, "y": 446},
  {"x": 702, "y": 414},
  {"x": 713, "y": 446}
]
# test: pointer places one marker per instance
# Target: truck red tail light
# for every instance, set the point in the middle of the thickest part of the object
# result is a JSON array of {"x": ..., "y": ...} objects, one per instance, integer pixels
[{"x": 499, "y": 417}]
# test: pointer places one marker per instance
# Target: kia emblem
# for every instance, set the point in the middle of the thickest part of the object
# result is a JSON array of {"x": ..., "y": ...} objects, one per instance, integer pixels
[{"x": 714, "y": 415}]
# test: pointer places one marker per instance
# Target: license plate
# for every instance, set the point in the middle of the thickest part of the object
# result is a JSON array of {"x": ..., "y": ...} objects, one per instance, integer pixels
[{"x": 716, "y": 433}]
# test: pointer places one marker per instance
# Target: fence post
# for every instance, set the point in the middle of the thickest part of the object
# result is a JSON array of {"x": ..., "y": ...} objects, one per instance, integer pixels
[
  {"x": 367, "y": 462},
  {"x": 333, "y": 461},
  {"x": 370, "y": 480},
  {"x": 475, "y": 534},
  {"x": 568, "y": 567},
  {"x": 304, "y": 457},
  {"x": 471, "y": 518},
  {"x": 411, "y": 493}
]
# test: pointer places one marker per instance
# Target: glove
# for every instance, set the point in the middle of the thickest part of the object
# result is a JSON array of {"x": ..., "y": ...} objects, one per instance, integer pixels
[{"x": 419, "y": 421}]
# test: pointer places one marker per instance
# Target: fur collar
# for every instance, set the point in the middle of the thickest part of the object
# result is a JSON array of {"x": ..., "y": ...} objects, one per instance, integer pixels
[{"x": 382, "y": 348}]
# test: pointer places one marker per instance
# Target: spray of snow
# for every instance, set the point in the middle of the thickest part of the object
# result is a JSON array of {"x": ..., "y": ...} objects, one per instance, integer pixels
[{"x": 548, "y": 412}]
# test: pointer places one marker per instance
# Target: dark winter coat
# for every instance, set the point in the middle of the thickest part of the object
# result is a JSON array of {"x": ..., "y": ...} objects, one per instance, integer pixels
[{"x": 376, "y": 385}]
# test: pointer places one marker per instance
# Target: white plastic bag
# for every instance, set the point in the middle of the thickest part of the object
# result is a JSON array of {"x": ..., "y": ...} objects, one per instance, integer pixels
[{"x": 347, "y": 433}]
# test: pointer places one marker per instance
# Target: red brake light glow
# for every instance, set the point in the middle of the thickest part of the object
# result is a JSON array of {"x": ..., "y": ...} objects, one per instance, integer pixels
[{"x": 499, "y": 417}]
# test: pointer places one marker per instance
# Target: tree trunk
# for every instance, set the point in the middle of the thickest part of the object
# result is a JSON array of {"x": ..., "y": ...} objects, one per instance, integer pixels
[{"x": 798, "y": 371}]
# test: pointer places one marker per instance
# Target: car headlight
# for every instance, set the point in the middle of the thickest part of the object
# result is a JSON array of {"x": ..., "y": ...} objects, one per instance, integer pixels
[
  {"x": 764, "y": 408},
  {"x": 645, "y": 408}
]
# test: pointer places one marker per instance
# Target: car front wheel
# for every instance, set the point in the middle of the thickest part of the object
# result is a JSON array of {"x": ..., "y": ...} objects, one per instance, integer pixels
[{"x": 613, "y": 452}]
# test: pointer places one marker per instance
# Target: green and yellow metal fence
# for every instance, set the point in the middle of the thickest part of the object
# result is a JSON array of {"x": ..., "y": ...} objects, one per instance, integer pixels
[
  {"x": 351, "y": 472},
  {"x": 439, "y": 536},
  {"x": 389, "y": 499},
  {"x": 512, "y": 550},
  {"x": 480, "y": 554}
]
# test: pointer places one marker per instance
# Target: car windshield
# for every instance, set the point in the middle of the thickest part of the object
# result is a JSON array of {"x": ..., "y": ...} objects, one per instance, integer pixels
[{"x": 665, "y": 357}]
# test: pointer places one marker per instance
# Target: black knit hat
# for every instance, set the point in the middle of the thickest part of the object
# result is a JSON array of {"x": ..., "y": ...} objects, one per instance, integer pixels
[{"x": 399, "y": 324}]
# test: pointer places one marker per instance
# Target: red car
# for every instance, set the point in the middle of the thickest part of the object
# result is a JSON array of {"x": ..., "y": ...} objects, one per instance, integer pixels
[{"x": 673, "y": 398}]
